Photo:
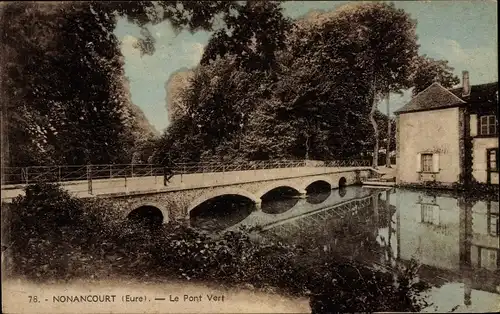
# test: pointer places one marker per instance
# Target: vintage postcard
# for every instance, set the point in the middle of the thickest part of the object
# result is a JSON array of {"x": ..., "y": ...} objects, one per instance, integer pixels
[{"x": 249, "y": 156}]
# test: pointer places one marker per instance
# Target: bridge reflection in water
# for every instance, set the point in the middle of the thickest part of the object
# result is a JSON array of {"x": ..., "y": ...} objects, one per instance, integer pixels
[{"x": 456, "y": 240}]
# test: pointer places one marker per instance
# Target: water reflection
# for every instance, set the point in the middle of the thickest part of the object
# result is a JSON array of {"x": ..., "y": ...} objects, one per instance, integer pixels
[
  {"x": 455, "y": 239},
  {"x": 342, "y": 191},
  {"x": 221, "y": 212},
  {"x": 279, "y": 200},
  {"x": 319, "y": 197},
  {"x": 278, "y": 206}
]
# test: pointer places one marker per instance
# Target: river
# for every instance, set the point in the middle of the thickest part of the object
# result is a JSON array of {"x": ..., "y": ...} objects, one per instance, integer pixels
[{"x": 455, "y": 240}]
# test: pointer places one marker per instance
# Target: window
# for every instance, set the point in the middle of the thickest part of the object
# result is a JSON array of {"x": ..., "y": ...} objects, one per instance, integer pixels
[
  {"x": 488, "y": 125},
  {"x": 426, "y": 163},
  {"x": 493, "y": 159},
  {"x": 430, "y": 213}
]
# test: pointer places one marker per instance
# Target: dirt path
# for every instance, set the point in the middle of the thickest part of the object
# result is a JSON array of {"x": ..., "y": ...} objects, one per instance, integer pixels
[{"x": 136, "y": 297}]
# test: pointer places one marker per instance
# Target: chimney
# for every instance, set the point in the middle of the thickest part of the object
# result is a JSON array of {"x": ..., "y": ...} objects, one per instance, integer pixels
[{"x": 465, "y": 84}]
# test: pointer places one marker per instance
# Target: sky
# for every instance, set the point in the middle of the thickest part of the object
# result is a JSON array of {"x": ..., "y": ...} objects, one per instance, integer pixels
[{"x": 462, "y": 32}]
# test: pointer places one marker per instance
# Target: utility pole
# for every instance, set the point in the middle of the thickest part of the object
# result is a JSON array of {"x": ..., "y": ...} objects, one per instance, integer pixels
[{"x": 387, "y": 155}]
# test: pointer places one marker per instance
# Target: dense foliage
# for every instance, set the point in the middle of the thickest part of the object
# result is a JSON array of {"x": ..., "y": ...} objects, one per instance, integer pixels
[
  {"x": 64, "y": 238},
  {"x": 64, "y": 93},
  {"x": 428, "y": 70},
  {"x": 315, "y": 103}
]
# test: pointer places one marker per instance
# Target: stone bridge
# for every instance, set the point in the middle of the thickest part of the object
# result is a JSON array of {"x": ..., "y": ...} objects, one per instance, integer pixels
[
  {"x": 184, "y": 192},
  {"x": 177, "y": 204}
]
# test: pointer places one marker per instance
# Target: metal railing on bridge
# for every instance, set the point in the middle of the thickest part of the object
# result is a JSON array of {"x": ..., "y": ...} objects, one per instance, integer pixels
[
  {"x": 34, "y": 174},
  {"x": 204, "y": 167}
]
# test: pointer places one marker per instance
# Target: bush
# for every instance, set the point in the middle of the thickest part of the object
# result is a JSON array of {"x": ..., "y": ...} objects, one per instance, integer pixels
[
  {"x": 54, "y": 234},
  {"x": 59, "y": 237}
]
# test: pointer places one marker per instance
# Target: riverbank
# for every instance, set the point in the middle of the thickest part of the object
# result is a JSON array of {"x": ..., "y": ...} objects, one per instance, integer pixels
[{"x": 141, "y": 296}]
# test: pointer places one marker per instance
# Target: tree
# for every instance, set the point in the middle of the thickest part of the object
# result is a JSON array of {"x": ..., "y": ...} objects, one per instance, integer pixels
[
  {"x": 428, "y": 70},
  {"x": 180, "y": 143},
  {"x": 69, "y": 86},
  {"x": 388, "y": 40},
  {"x": 217, "y": 103},
  {"x": 236, "y": 70}
]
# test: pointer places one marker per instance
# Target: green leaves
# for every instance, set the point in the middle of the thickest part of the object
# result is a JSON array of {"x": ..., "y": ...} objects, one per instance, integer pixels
[
  {"x": 313, "y": 103},
  {"x": 427, "y": 71},
  {"x": 254, "y": 32}
]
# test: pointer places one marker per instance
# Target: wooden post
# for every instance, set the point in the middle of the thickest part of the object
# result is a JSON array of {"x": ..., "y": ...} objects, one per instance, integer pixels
[
  {"x": 89, "y": 178},
  {"x": 24, "y": 174}
]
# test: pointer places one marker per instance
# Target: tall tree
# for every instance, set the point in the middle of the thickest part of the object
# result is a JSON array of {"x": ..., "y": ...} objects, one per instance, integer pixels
[
  {"x": 389, "y": 45},
  {"x": 428, "y": 70}
]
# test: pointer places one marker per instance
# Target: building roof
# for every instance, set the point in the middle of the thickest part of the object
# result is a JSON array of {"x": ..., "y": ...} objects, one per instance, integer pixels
[
  {"x": 433, "y": 97},
  {"x": 484, "y": 93}
]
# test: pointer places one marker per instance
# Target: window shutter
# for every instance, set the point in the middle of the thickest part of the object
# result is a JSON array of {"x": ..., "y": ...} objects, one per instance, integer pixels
[
  {"x": 484, "y": 125},
  {"x": 435, "y": 162},
  {"x": 419, "y": 162},
  {"x": 473, "y": 125}
]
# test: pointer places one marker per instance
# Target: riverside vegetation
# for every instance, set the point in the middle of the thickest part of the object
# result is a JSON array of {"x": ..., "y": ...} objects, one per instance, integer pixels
[{"x": 57, "y": 237}]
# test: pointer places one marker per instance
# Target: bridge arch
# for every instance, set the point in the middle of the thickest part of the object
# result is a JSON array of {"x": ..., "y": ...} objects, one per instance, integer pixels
[
  {"x": 220, "y": 192},
  {"x": 153, "y": 205},
  {"x": 310, "y": 181},
  {"x": 278, "y": 184}
]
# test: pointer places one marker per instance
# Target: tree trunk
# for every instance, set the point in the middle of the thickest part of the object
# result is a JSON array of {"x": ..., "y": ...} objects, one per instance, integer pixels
[
  {"x": 387, "y": 155},
  {"x": 375, "y": 127},
  {"x": 307, "y": 147}
]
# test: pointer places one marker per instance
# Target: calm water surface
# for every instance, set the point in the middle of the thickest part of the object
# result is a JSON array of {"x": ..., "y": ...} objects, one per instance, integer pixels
[{"x": 456, "y": 240}]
